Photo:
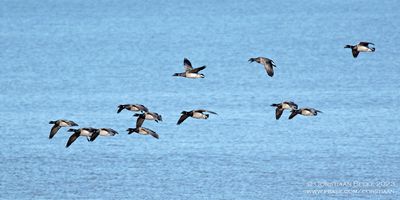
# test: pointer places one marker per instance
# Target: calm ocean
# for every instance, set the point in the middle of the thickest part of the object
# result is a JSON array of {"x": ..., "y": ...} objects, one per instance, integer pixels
[{"x": 79, "y": 60}]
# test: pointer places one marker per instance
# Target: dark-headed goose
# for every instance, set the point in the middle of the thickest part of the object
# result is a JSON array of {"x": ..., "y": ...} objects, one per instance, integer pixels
[
  {"x": 87, "y": 132},
  {"x": 360, "y": 47},
  {"x": 132, "y": 107},
  {"x": 305, "y": 112},
  {"x": 198, "y": 114},
  {"x": 280, "y": 107},
  {"x": 58, "y": 124},
  {"x": 147, "y": 116},
  {"x": 190, "y": 72},
  {"x": 268, "y": 64},
  {"x": 142, "y": 131},
  {"x": 103, "y": 132}
]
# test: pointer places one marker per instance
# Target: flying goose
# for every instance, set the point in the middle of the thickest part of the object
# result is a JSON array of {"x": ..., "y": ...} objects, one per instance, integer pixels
[
  {"x": 268, "y": 64},
  {"x": 360, "y": 47},
  {"x": 58, "y": 124},
  {"x": 280, "y": 107},
  {"x": 88, "y": 132},
  {"x": 147, "y": 116},
  {"x": 102, "y": 132},
  {"x": 190, "y": 72},
  {"x": 142, "y": 131},
  {"x": 305, "y": 112},
  {"x": 198, "y": 114},
  {"x": 132, "y": 107}
]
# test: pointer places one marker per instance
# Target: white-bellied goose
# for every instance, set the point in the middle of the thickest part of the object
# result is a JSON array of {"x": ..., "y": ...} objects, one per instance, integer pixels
[
  {"x": 103, "y": 132},
  {"x": 142, "y": 131},
  {"x": 198, "y": 114},
  {"x": 360, "y": 47},
  {"x": 87, "y": 132},
  {"x": 280, "y": 107},
  {"x": 58, "y": 124},
  {"x": 132, "y": 107},
  {"x": 305, "y": 112},
  {"x": 147, "y": 116},
  {"x": 190, "y": 72}
]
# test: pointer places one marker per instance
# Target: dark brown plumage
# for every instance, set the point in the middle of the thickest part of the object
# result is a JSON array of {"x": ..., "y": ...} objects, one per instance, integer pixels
[
  {"x": 58, "y": 124},
  {"x": 198, "y": 114},
  {"x": 267, "y": 63}
]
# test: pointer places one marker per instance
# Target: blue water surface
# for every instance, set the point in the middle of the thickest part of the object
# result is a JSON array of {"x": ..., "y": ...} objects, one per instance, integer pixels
[{"x": 78, "y": 60}]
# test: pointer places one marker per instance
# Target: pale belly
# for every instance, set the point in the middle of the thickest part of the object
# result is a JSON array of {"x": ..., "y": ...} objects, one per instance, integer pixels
[
  {"x": 150, "y": 117},
  {"x": 142, "y": 132},
  {"x": 104, "y": 133},
  {"x": 286, "y": 106},
  {"x": 63, "y": 124},
  {"x": 199, "y": 115},
  {"x": 307, "y": 113},
  {"x": 85, "y": 133},
  {"x": 132, "y": 108},
  {"x": 363, "y": 49},
  {"x": 193, "y": 75}
]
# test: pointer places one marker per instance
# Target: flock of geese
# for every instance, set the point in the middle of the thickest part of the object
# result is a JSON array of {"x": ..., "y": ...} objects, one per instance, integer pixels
[{"x": 143, "y": 113}]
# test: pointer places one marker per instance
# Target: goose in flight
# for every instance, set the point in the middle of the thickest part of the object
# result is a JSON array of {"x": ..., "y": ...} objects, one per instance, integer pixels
[
  {"x": 305, "y": 112},
  {"x": 102, "y": 132},
  {"x": 147, "y": 116},
  {"x": 197, "y": 114},
  {"x": 190, "y": 72},
  {"x": 360, "y": 47},
  {"x": 87, "y": 132},
  {"x": 268, "y": 64},
  {"x": 132, "y": 107},
  {"x": 142, "y": 131},
  {"x": 58, "y": 124},
  {"x": 280, "y": 107}
]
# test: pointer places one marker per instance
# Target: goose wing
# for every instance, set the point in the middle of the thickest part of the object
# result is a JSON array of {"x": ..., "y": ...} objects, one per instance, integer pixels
[
  {"x": 293, "y": 114},
  {"x": 366, "y": 43},
  {"x": 202, "y": 110},
  {"x": 268, "y": 68},
  {"x": 182, "y": 118},
  {"x": 139, "y": 121},
  {"x": 278, "y": 113},
  {"x": 111, "y": 131},
  {"x": 187, "y": 65},
  {"x": 196, "y": 70},
  {"x": 152, "y": 133},
  {"x": 141, "y": 107},
  {"x": 94, "y": 135},
  {"x": 293, "y": 104},
  {"x": 54, "y": 130},
  {"x": 72, "y": 139},
  {"x": 355, "y": 52},
  {"x": 309, "y": 109}
]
